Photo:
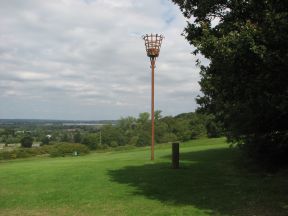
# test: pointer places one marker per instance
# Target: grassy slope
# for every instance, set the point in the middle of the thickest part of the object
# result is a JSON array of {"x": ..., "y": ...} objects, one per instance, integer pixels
[{"x": 127, "y": 183}]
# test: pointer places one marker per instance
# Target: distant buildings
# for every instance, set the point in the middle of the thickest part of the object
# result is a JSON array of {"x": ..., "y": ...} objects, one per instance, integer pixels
[{"x": 49, "y": 136}]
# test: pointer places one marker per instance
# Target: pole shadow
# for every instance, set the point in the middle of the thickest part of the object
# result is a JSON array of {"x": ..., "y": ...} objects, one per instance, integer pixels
[{"x": 207, "y": 180}]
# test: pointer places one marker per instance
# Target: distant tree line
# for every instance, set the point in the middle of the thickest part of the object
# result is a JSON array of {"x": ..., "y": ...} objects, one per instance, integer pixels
[
  {"x": 133, "y": 131},
  {"x": 137, "y": 131}
]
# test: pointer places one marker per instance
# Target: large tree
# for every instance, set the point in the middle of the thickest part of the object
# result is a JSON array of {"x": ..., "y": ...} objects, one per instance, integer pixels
[{"x": 246, "y": 83}]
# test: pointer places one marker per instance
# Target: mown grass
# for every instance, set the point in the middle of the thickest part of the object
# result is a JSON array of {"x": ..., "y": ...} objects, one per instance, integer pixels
[{"x": 127, "y": 183}]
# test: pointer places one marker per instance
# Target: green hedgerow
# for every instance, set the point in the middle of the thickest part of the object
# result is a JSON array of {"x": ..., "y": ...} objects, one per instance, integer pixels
[{"x": 56, "y": 150}]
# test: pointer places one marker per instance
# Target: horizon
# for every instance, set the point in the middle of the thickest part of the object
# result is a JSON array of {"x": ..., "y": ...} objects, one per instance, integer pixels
[{"x": 41, "y": 119}]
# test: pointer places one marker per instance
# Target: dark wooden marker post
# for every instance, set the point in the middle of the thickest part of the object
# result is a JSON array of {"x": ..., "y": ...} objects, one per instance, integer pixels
[{"x": 175, "y": 155}]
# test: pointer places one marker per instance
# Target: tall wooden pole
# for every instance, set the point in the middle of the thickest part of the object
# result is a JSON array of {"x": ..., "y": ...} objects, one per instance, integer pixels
[
  {"x": 152, "y": 108},
  {"x": 152, "y": 45}
]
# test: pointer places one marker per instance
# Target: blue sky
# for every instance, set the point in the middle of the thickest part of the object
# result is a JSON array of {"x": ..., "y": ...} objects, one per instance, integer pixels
[{"x": 85, "y": 59}]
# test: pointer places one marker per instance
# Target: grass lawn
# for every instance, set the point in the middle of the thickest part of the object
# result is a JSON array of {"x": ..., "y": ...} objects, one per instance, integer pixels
[{"x": 128, "y": 183}]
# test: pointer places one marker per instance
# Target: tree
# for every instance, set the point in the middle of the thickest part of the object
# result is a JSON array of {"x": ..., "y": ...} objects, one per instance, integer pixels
[
  {"x": 168, "y": 137},
  {"x": 214, "y": 128},
  {"x": 143, "y": 119},
  {"x": 126, "y": 127},
  {"x": 26, "y": 142},
  {"x": 65, "y": 137},
  {"x": 161, "y": 128},
  {"x": 92, "y": 140},
  {"x": 158, "y": 115},
  {"x": 245, "y": 84},
  {"x": 77, "y": 137},
  {"x": 112, "y": 134},
  {"x": 144, "y": 138},
  {"x": 190, "y": 125},
  {"x": 133, "y": 140},
  {"x": 143, "y": 129},
  {"x": 45, "y": 140}
]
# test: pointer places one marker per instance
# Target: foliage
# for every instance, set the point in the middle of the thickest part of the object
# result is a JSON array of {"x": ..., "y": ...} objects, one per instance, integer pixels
[
  {"x": 63, "y": 149},
  {"x": 26, "y": 142},
  {"x": 245, "y": 84},
  {"x": 77, "y": 138},
  {"x": 24, "y": 152},
  {"x": 55, "y": 150},
  {"x": 133, "y": 140},
  {"x": 133, "y": 131},
  {"x": 45, "y": 140},
  {"x": 188, "y": 126},
  {"x": 214, "y": 128},
  {"x": 168, "y": 137},
  {"x": 92, "y": 140},
  {"x": 137, "y": 131}
]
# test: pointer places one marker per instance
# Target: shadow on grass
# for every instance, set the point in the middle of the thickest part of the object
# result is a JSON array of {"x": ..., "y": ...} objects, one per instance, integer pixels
[{"x": 208, "y": 180}]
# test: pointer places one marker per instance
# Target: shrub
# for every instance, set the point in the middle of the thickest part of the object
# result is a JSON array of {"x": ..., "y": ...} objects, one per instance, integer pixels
[
  {"x": 63, "y": 149},
  {"x": 133, "y": 141},
  {"x": 168, "y": 137},
  {"x": 91, "y": 140},
  {"x": 114, "y": 144},
  {"x": 268, "y": 150},
  {"x": 144, "y": 139},
  {"x": 23, "y": 153},
  {"x": 56, "y": 150},
  {"x": 27, "y": 142},
  {"x": 45, "y": 141},
  {"x": 104, "y": 146},
  {"x": 5, "y": 155}
]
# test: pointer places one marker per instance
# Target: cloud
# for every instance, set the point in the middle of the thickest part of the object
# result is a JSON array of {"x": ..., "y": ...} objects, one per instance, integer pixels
[{"x": 89, "y": 55}]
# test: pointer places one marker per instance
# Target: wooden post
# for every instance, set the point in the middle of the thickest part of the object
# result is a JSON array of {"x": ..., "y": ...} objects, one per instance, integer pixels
[
  {"x": 175, "y": 155},
  {"x": 152, "y": 44},
  {"x": 152, "y": 108}
]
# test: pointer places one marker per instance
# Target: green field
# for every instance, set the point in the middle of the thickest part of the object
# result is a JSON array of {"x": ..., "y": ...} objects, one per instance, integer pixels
[{"x": 127, "y": 183}]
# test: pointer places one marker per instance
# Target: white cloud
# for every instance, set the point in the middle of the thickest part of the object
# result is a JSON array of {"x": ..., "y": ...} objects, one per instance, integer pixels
[{"x": 89, "y": 55}]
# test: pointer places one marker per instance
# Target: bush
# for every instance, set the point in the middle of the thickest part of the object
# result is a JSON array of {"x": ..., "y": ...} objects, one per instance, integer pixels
[
  {"x": 214, "y": 129},
  {"x": 23, "y": 153},
  {"x": 114, "y": 144},
  {"x": 56, "y": 150},
  {"x": 144, "y": 139},
  {"x": 5, "y": 155},
  {"x": 269, "y": 150},
  {"x": 133, "y": 141},
  {"x": 63, "y": 149},
  {"x": 92, "y": 141},
  {"x": 104, "y": 146},
  {"x": 168, "y": 137},
  {"x": 27, "y": 142},
  {"x": 45, "y": 141}
]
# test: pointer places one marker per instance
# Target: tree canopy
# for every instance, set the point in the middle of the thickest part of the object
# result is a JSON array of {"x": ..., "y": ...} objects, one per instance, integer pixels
[
  {"x": 27, "y": 142},
  {"x": 245, "y": 84}
]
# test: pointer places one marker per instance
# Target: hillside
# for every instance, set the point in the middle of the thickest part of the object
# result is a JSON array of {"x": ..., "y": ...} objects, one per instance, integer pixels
[{"x": 128, "y": 183}]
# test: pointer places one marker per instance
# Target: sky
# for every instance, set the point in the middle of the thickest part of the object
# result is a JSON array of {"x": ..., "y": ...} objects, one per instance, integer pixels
[{"x": 86, "y": 60}]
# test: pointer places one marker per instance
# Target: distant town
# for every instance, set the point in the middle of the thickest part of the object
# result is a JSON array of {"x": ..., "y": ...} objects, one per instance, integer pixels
[{"x": 46, "y": 122}]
